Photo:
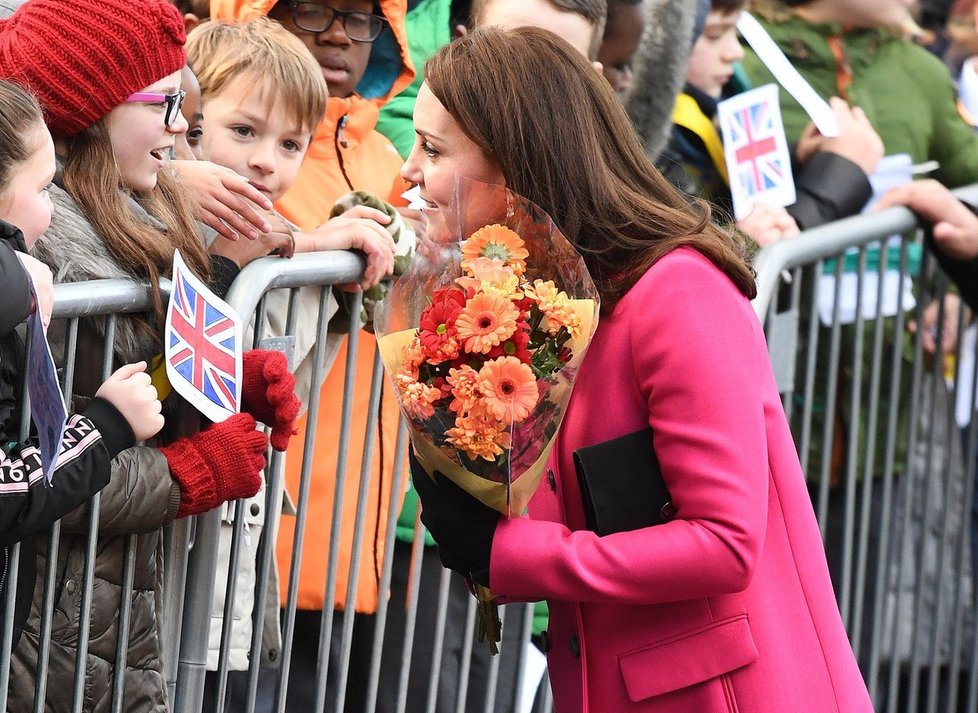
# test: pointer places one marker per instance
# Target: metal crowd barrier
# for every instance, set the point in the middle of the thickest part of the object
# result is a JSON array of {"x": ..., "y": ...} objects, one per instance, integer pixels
[
  {"x": 108, "y": 299},
  {"x": 343, "y": 679},
  {"x": 885, "y": 429},
  {"x": 428, "y": 651}
]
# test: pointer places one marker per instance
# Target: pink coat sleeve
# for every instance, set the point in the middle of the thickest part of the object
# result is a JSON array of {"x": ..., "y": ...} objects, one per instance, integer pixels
[{"x": 699, "y": 361}]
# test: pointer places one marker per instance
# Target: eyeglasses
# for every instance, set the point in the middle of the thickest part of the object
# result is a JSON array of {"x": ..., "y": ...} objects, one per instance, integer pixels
[
  {"x": 359, "y": 26},
  {"x": 174, "y": 102}
]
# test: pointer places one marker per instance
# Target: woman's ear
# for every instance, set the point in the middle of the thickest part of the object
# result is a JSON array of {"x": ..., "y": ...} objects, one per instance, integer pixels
[{"x": 190, "y": 21}]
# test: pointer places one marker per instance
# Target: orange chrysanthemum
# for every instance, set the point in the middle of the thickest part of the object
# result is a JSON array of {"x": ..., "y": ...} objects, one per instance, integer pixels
[
  {"x": 556, "y": 307},
  {"x": 479, "y": 437},
  {"x": 465, "y": 388},
  {"x": 486, "y": 321},
  {"x": 446, "y": 352},
  {"x": 412, "y": 356},
  {"x": 510, "y": 388},
  {"x": 417, "y": 398},
  {"x": 496, "y": 242}
]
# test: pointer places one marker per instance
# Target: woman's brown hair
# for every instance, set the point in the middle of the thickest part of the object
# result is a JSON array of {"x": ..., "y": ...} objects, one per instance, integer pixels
[
  {"x": 562, "y": 139},
  {"x": 93, "y": 180},
  {"x": 20, "y": 123}
]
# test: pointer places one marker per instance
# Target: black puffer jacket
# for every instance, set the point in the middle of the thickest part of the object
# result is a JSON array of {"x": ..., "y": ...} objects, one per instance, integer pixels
[
  {"x": 28, "y": 504},
  {"x": 141, "y": 497}
]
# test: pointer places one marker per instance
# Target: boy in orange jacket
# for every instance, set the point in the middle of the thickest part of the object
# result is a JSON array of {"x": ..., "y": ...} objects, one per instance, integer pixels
[{"x": 364, "y": 59}]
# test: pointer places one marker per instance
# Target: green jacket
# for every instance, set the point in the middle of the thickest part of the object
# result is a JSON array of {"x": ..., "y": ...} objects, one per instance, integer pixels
[
  {"x": 906, "y": 92},
  {"x": 908, "y": 96},
  {"x": 428, "y": 29}
]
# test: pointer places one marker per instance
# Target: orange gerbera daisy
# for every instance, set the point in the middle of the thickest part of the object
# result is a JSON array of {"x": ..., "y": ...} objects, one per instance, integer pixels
[
  {"x": 465, "y": 388},
  {"x": 510, "y": 388},
  {"x": 479, "y": 437},
  {"x": 485, "y": 321},
  {"x": 496, "y": 242}
]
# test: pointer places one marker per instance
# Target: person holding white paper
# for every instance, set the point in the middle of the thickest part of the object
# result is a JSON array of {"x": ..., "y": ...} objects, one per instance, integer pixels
[
  {"x": 831, "y": 173},
  {"x": 850, "y": 49}
]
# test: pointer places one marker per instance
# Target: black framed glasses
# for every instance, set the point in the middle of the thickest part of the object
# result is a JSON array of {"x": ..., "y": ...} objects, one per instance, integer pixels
[
  {"x": 174, "y": 102},
  {"x": 316, "y": 17}
]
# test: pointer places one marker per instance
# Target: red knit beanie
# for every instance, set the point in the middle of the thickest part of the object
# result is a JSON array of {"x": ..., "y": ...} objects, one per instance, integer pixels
[{"x": 82, "y": 58}]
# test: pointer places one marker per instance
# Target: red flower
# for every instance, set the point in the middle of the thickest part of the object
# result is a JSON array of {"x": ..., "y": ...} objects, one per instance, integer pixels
[
  {"x": 437, "y": 326},
  {"x": 515, "y": 346},
  {"x": 524, "y": 305},
  {"x": 441, "y": 383}
]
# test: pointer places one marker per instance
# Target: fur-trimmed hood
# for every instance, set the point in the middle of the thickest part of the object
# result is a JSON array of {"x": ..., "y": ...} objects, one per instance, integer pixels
[
  {"x": 75, "y": 252},
  {"x": 660, "y": 70}
]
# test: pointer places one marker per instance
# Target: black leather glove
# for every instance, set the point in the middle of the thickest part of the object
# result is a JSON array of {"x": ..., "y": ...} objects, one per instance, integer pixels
[{"x": 462, "y": 526}]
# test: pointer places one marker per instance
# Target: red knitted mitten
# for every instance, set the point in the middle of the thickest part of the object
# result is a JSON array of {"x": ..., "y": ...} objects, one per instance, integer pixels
[
  {"x": 268, "y": 393},
  {"x": 221, "y": 463}
]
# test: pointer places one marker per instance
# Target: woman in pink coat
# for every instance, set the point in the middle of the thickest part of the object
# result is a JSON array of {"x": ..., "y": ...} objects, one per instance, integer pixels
[{"x": 727, "y": 606}]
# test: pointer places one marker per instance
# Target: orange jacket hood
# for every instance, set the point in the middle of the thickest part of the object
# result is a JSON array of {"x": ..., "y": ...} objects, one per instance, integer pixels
[{"x": 389, "y": 70}]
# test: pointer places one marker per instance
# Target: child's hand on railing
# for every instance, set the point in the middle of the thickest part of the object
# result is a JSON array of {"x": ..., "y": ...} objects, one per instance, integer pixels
[
  {"x": 768, "y": 224},
  {"x": 131, "y": 391},
  {"x": 360, "y": 228}
]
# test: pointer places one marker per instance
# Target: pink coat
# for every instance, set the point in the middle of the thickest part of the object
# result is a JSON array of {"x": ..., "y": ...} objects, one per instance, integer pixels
[{"x": 729, "y": 606}]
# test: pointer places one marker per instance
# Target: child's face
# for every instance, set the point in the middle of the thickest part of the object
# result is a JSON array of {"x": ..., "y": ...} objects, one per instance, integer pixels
[
  {"x": 140, "y": 139},
  {"x": 187, "y": 146},
  {"x": 539, "y": 13},
  {"x": 25, "y": 202},
  {"x": 711, "y": 63},
  {"x": 621, "y": 37},
  {"x": 342, "y": 60},
  {"x": 252, "y": 135},
  {"x": 443, "y": 152}
]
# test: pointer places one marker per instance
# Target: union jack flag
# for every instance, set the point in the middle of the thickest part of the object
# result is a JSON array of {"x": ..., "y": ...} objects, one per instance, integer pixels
[
  {"x": 756, "y": 150},
  {"x": 759, "y": 165},
  {"x": 203, "y": 347}
]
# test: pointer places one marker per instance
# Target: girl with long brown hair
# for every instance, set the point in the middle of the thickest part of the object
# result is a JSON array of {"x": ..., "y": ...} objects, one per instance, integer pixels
[
  {"x": 112, "y": 102},
  {"x": 125, "y": 409},
  {"x": 722, "y": 601}
]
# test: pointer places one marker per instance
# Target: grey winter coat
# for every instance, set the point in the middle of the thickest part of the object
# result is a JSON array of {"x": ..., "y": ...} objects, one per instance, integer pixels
[{"x": 659, "y": 69}]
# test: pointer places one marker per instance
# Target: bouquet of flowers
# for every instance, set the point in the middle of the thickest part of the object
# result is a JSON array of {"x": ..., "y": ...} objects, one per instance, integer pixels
[{"x": 482, "y": 337}]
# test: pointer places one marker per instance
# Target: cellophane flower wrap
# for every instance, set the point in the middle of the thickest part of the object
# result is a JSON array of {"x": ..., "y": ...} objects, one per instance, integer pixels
[{"x": 483, "y": 337}]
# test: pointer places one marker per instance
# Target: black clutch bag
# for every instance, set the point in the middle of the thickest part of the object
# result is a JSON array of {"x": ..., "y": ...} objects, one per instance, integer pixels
[{"x": 621, "y": 484}]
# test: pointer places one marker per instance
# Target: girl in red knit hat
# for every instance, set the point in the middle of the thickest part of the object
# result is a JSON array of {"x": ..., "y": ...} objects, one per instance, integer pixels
[{"x": 107, "y": 75}]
